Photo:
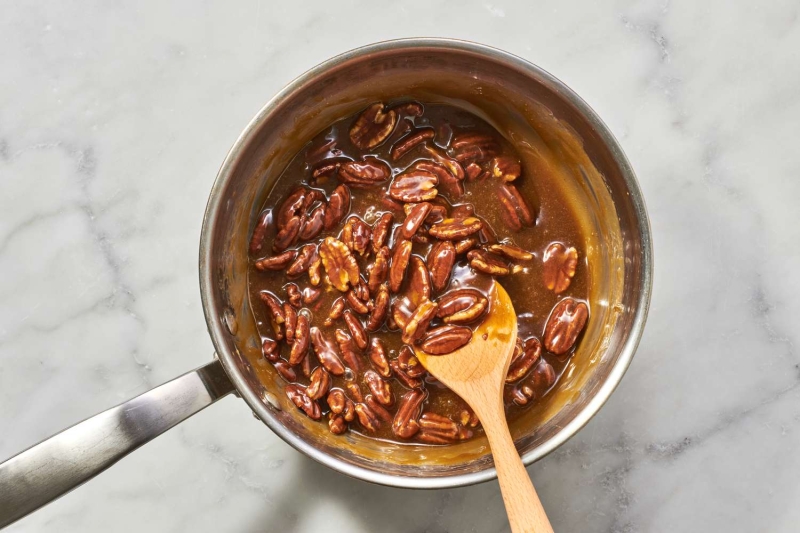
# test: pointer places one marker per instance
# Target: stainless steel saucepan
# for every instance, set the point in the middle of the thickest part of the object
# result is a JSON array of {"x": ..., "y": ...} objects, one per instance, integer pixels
[{"x": 535, "y": 111}]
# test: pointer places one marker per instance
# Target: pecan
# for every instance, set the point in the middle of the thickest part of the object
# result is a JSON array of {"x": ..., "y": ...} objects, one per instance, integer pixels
[
  {"x": 338, "y": 206},
  {"x": 297, "y": 394},
  {"x": 414, "y": 185},
  {"x": 356, "y": 303},
  {"x": 462, "y": 306},
  {"x": 511, "y": 251},
  {"x": 314, "y": 275},
  {"x": 516, "y": 211},
  {"x": 355, "y": 391},
  {"x": 410, "y": 141},
  {"x": 405, "y": 379},
  {"x": 302, "y": 261},
  {"x": 310, "y": 295},
  {"x": 368, "y": 172},
  {"x": 336, "y": 311},
  {"x": 471, "y": 146},
  {"x": 419, "y": 281},
  {"x": 421, "y": 238},
  {"x": 379, "y": 270},
  {"x": 410, "y": 109},
  {"x": 340, "y": 404},
  {"x": 487, "y": 263},
  {"x": 276, "y": 311},
  {"x": 336, "y": 424},
  {"x": 379, "y": 410},
  {"x": 401, "y": 312},
  {"x": 466, "y": 245},
  {"x": 276, "y": 262},
  {"x": 447, "y": 182},
  {"x": 327, "y": 168},
  {"x": 356, "y": 235},
  {"x": 505, "y": 168},
  {"x": 441, "y": 259},
  {"x": 319, "y": 385},
  {"x": 260, "y": 231},
  {"x": 271, "y": 350},
  {"x": 468, "y": 418},
  {"x": 445, "y": 339},
  {"x": 361, "y": 290},
  {"x": 455, "y": 229},
  {"x": 305, "y": 365},
  {"x": 559, "y": 263},
  {"x": 312, "y": 226},
  {"x": 438, "y": 212},
  {"x": 567, "y": 320},
  {"x": 408, "y": 362},
  {"x": 405, "y": 424},
  {"x": 291, "y": 206},
  {"x": 536, "y": 385},
  {"x": 400, "y": 259},
  {"x": 529, "y": 355},
  {"x": 380, "y": 231},
  {"x": 356, "y": 329},
  {"x": 437, "y": 429},
  {"x": 453, "y": 166},
  {"x": 326, "y": 353},
  {"x": 290, "y": 317},
  {"x": 287, "y": 235},
  {"x": 349, "y": 350},
  {"x": 367, "y": 418},
  {"x": 418, "y": 323},
  {"x": 414, "y": 219},
  {"x": 377, "y": 354},
  {"x": 473, "y": 171},
  {"x": 339, "y": 263},
  {"x": 380, "y": 310},
  {"x": 301, "y": 340},
  {"x": 379, "y": 388},
  {"x": 286, "y": 371},
  {"x": 373, "y": 126},
  {"x": 293, "y": 292}
]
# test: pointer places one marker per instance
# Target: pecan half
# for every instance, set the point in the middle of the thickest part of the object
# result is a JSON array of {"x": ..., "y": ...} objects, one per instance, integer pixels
[
  {"x": 285, "y": 370},
  {"x": 312, "y": 226},
  {"x": 511, "y": 251},
  {"x": 287, "y": 235},
  {"x": 275, "y": 308},
  {"x": 376, "y": 407},
  {"x": 368, "y": 172},
  {"x": 336, "y": 424},
  {"x": 418, "y": 323},
  {"x": 356, "y": 329},
  {"x": 529, "y": 356},
  {"x": 505, "y": 167},
  {"x": 445, "y": 339},
  {"x": 380, "y": 231},
  {"x": 455, "y": 229},
  {"x": 338, "y": 206},
  {"x": 320, "y": 382},
  {"x": 409, "y": 363},
  {"x": 314, "y": 271},
  {"x": 377, "y": 354},
  {"x": 409, "y": 109},
  {"x": 290, "y": 317},
  {"x": 373, "y": 126},
  {"x": 401, "y": 312},
  {"x": 349, "y": 350},
  {"x": 448, "y": 183},
  {"x": 405, "y": 379},
  {"x": 260, "y": 232},
  {"x": 414, "y": 185},
  {"x": 516, "y": 211},
  {"x": 466, "y": 245},
  {"x": 487, "y": 263},
  {"x": 326, "y": 353},
  {"x": 301, "y": 340},
  {"x": 437, "y": 429},
  {"x": 271, "y": 350},
  {"x": 339, "y": 263},
  {"x": 276, "y": 262},
  {"x": 310, "y": 295},
  {"x": 471, "y": 146},
  {"x": 340, "y": 404},
  {"x": 416, "y": 216},
  {"x": 292, "y": 206},
  {"x": 356, "y": 303},
  {"x": 419, "y": 281},
  {"x": 410, "y": 141},
  {"x": 367, "y": 418},
  {"x": 400, "y": 259},
  {"x": 380, "y": 310},
  {"x": 462, "y": 306},
  {"x": 379, "y": 269},
  {"x": 559, "y": 264},
  {"x": 293, "y": 293},
  {"x": 356, "y": 235},
  {"x": 379, "y": 388},
  {"x": 567, "y": 320},
  {"x": 337, "y": 308},
  {"x": 297, "y": 394},
  {"x": 473, "y": 171},
  {"x": 441, "y": 259},
  {"x": 405, "y": 424}
]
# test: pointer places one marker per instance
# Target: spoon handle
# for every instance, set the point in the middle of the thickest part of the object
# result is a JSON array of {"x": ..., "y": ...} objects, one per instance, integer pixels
[{"x": 525, "y": 511}]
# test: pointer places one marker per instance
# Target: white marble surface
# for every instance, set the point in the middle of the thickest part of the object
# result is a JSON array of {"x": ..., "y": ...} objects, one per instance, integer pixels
[{"x": 114, "y": 118}]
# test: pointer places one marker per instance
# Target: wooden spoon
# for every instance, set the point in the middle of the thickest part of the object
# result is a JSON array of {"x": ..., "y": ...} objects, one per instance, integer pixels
[{"x": 477, "y": 372}]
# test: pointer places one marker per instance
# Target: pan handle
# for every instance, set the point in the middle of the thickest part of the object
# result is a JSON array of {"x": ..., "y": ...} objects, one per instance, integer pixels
[{"x": 57, "y": 465}]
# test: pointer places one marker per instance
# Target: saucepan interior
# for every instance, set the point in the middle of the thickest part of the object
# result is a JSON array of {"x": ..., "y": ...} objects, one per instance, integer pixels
[{"x": 553, "y": 130}]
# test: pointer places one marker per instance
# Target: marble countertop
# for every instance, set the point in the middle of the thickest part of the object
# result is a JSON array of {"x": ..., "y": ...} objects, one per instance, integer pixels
[{"x": 114, "y": 118}]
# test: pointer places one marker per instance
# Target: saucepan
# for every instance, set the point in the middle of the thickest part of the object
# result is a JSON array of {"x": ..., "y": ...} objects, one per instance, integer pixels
[{"x": 537, "y": 113}]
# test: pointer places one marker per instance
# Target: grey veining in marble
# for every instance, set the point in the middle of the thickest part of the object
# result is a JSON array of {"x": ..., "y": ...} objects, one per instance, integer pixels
[{"x": 114, "y": 118}]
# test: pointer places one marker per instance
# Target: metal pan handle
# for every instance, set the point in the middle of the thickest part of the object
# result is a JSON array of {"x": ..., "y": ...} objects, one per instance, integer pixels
[{"x": 57, "y": 465}]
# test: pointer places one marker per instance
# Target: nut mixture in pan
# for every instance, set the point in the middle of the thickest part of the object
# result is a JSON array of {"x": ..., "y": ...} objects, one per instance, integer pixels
[{"x": 387, "y": 232}]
